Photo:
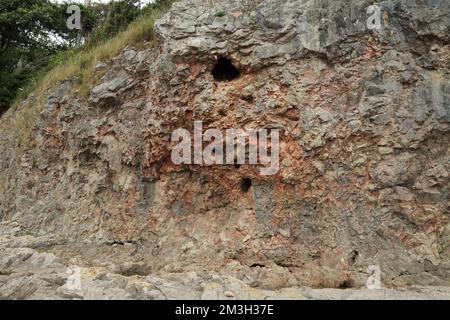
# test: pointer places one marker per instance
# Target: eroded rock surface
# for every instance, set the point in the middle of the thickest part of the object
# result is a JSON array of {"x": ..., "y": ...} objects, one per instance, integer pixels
[
  {"x": 28, "y": 271},
  {"x": 364, "y": 116}
]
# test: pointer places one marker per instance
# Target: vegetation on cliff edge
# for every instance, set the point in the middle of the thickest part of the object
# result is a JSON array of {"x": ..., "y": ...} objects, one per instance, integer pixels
[{"x": 78, "y": 64}]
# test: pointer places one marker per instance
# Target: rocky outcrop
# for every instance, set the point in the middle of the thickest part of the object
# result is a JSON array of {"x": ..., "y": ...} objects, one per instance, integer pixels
[
  {"x": 28, "y": 272},
  {"x": 364, "y": 116}
]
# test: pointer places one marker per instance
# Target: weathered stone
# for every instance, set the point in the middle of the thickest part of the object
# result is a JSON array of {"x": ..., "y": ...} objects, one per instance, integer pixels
[{"x": 107, "y": 93}]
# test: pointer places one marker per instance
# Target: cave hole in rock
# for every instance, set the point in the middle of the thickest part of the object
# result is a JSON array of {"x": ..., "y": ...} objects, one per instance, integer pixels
[
  {"x": 246, "y": 184},
  {"x": 224, "y": 70},
  {"x": 347, "y": 284},
  {"x": 353, "y": 257}
]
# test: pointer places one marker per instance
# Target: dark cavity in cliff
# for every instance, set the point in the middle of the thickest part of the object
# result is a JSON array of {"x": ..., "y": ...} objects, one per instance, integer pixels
[{"x": 224, "y": 70}]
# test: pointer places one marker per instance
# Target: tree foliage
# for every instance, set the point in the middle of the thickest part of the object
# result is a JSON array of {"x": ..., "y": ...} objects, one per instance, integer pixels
[
  {"x": 34, "y": 32},
  {"x": 113, "y": 18},
  {"x": 25, "y": 24}
]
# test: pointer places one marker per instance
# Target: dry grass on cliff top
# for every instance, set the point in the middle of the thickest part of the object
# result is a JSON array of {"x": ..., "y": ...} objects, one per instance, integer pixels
[{"x": 22, "y": 116}]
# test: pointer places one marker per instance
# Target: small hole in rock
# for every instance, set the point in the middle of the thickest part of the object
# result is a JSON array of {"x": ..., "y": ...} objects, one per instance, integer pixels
[
  {"x": 353, "y": 257},
  {"x": 224, "y": 70},
  {"x": 246, "y": 184},
  {"x": 248, "y": 98},
  {"x": 346, "y": 284}
]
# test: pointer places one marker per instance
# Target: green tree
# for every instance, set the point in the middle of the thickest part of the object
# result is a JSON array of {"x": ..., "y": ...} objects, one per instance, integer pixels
[
  {"x": 115, "y": 16},
  {"x": 31, "y": 33},
  {"x": 25, "y": 29},
  {"x": 26, "y": 24}
]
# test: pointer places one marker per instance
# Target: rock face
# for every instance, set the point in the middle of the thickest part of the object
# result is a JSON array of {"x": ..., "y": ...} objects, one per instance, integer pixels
[
  {"x": 364, "y": 156},
  {"x": 28, "y": 272}
]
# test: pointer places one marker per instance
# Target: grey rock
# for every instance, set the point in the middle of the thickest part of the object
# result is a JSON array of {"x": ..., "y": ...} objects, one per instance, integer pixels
[{"x": 108, "y": 93}]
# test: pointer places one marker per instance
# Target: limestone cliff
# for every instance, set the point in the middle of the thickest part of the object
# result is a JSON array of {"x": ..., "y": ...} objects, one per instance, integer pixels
[{"x": 364, "y": 116}]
